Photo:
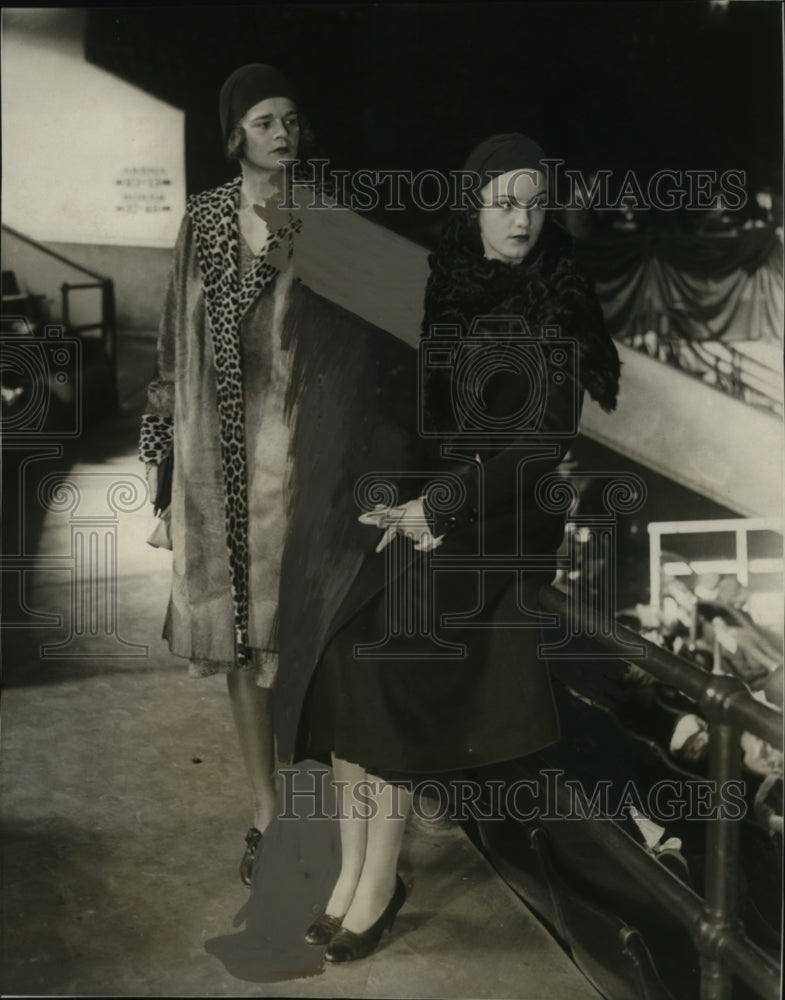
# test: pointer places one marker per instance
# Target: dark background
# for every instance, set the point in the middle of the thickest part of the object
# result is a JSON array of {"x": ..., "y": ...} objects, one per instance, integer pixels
[{"x": 622, "y": 85}]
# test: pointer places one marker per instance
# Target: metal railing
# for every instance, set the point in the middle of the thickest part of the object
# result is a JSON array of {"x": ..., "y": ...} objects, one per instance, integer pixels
[
  {"x": 740, "y": 566},
  {"x": 712, "y": 920},
  {"x": 664, "y": 335},
  {"x": 106, "y": 325}
]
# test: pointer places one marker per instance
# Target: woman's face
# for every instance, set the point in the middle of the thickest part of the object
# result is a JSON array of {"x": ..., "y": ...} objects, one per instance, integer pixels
[
  {"x": 512, "y": 214},
  {"x": 272, "y": 133}
]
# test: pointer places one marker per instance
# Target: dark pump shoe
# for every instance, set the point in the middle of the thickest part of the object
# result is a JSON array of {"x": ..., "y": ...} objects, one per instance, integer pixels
[
  {"x": 252, "y": 840},
  {"x": 322, "y": 931},
  {"x": 346, "y": 946}
]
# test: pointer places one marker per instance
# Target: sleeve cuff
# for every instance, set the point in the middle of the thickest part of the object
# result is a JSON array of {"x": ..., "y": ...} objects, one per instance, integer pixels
[
  {"x": 443, "y": 524},
  {"x": 155, "y": 439}
]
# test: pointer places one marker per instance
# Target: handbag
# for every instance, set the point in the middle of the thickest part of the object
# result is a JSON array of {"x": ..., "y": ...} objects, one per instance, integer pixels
[
  {"x": 161, "y": 537},
  {"x": 163, "y": 493}
]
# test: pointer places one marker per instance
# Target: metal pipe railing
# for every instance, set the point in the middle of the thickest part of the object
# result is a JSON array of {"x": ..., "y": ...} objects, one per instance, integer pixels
[
  {"x": 726, "y": 947},
  {"x": 721, "y": 699},
  {"x": 107, "y": 323},
  {"x": 735, "y": 373},
  {"x": 740, "y": 528},
  {"x": 713, "y": 920},
  {"x": 53, "y": 253}
]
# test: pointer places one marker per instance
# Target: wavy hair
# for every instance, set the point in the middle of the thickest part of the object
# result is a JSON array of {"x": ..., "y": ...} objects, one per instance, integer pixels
[{"x": 234, "y": 147}]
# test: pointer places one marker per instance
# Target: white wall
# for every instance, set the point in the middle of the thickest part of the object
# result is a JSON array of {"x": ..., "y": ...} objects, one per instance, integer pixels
[{"x": 87, "y": 157}]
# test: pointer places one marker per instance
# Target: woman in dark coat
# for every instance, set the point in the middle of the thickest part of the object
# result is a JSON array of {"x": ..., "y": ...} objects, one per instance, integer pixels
[
  {"x": 273, "y": 402},
  {"x": 431, "y": 664}
]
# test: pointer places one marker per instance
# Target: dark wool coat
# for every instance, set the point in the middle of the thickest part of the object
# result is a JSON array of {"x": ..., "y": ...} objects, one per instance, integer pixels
[
  {"x": 449, "y": 674},
  {"x": 433, "y": 692},
  {"x": 355, "y": 389}
]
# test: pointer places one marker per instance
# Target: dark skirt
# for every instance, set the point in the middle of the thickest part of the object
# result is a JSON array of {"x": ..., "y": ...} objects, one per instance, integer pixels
[{"x": 411, "y": 711}]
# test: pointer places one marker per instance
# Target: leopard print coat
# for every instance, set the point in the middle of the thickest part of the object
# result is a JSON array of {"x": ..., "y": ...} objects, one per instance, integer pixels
[{"x": 212, "y": 233}]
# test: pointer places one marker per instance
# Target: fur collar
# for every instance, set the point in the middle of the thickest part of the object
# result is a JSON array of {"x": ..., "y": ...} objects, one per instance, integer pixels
[{"x": 546, "y": 289}]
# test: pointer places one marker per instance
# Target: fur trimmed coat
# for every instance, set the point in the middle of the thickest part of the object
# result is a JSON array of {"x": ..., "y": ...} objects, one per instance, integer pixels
[{"x": 433, "y": 660}]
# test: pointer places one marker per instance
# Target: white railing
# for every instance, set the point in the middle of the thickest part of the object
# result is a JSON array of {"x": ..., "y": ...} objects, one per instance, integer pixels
[{"x": 741, "y": 565}]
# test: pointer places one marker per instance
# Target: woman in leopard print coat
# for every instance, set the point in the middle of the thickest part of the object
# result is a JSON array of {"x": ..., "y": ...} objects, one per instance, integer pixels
[{"x": 217, "y": 399}]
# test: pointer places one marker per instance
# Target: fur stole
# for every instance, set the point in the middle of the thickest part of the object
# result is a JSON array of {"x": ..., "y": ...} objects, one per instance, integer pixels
[{"x": 546, "y": 289}]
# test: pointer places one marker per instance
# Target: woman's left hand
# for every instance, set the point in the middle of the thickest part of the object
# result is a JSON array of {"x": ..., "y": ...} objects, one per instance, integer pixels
[{"x": 408, "y": 520}]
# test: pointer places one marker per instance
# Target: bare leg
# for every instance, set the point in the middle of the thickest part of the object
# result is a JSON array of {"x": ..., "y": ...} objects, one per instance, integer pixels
[
  {"x": 390, "y": 805},
  {"x": 352, "y": 825},
  {"x": 253, "y": 719}
]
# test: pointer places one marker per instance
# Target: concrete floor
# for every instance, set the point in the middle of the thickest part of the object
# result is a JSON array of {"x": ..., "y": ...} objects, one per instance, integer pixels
[{"x": 124, "y": 810}]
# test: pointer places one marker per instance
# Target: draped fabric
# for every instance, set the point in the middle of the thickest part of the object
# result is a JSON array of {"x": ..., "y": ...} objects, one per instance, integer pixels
[{"x": 726, "y": 287}]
